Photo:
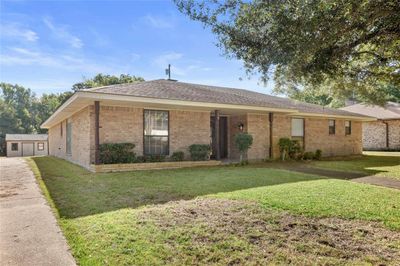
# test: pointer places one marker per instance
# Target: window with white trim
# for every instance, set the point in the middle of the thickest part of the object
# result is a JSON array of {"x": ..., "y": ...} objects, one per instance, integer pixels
[
  {"x": 156, "y": 132},
  {"x": 40, "y": 146},
  {"x": 297, "y": 127}
]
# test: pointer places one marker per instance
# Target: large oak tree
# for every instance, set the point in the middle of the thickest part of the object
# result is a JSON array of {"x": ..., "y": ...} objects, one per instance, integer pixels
[{"x": 340, "y": 47}]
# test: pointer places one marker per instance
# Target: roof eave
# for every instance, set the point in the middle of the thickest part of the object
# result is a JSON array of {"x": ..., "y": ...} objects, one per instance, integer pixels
[
  {"x": 96, "y": 96},
  {"x": 46, "y": 124},
  {"x": 350, "y": 117}
]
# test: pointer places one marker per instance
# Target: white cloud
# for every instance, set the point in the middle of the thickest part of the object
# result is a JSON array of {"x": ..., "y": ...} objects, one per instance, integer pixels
[
  {"x": 159, "y": 22},
  {"x": 61, "y": 32},
  {"x": 162, "y": 62},
  {"x": 19, "y": 32},
  {"x": 25, "y": 57},
  {"x": 179, "y": 65},
  {"x": 164, "y": 59}
]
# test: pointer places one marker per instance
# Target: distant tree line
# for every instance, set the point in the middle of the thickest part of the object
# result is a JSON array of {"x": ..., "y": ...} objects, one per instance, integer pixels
[{"x": 22, "y": 111}]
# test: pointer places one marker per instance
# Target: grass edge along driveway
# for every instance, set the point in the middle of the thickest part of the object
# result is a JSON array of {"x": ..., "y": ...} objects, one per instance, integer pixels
[{"x": 125, "y": 227}]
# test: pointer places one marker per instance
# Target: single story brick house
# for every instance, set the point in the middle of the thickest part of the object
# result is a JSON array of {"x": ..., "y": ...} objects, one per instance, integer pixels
[
  {"x": 384, "y": 133},
  {"x": 164, "y": 116},
  {"x": 19, "y": 145}
]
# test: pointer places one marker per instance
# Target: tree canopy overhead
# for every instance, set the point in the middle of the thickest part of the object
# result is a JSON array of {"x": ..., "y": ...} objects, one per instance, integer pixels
[{"x": 345, "y": 47}]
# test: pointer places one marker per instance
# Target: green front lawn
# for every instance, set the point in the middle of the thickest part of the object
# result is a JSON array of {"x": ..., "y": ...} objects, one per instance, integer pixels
[
  {"x": 77, "y": 192},
  {"x": 385, "y": 164},
  {"x": 221, "y": 215}
]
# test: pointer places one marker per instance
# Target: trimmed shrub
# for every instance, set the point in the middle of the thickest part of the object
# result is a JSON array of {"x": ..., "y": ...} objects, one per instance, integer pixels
[
  {"x": 117, "y": 153},
  {"x": 177, "y": 156},
  {"x": 140, "y": 159},
  {"x": 154, "y": 158},
  {"x": 290, "y": 149},
  {"x": 309, "y": 155},
  {"x": 284, "y": 147},
  {"x": 243, "y": 142},
  {"x": 318, "y": 155},
  {"x": 200, "y": 152},
  {"x": 295, "y": 150}
]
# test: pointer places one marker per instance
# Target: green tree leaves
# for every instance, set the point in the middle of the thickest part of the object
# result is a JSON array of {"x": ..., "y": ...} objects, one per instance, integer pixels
[
  {"x": 347, "y": 47},
  {"x": 105, "y": 80}
]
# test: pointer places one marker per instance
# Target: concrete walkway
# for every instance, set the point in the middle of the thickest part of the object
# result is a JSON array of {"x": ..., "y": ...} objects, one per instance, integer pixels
[
  {"x": 29, "y": 233},
  {"x": 351, "y": 176},
  {"x": 379, "y": 181}
]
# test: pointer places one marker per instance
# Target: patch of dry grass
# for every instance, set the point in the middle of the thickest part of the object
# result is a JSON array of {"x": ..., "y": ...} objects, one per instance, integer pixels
[{"x": 229, "y": 232}]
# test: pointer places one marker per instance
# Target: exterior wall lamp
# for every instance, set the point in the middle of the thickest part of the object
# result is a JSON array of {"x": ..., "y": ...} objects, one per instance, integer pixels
[{"x": 241, "y": 127}]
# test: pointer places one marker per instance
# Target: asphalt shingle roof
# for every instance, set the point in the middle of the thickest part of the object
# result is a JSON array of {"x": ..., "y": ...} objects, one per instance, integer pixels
[
  {"x": 174, "y": 90},
  {"x": 390, "y": 111},
  {"x": 29, "y": 137}
]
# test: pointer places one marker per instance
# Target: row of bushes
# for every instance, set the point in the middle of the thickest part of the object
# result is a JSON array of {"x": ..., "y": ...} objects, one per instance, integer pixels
[
  {"x": 292, "y": 149},
  {"x": 124, "y": 153}
]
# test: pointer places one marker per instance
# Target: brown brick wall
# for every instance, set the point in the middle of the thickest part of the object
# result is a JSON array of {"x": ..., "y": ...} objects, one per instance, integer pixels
[
  {"x": 81, "y": 137},
  {"x": 56, "y": 141},
  {"x": 187, "y": 128},
  {"x": 117, "y": 125},
  {"x": 80, "y": 145},
  {"x": 281, "y": 128},
  {"x": 125, "y": 124},
  {"x": 233, "y": 122},
  {"x": 317, "y": 137},
  {"x": 255, "y": 124},
  {"x": 258, "y": 127}
]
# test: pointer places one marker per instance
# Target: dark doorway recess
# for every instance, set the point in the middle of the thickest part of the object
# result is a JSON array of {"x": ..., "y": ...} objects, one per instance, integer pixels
[{"x": 223, "y": 137}]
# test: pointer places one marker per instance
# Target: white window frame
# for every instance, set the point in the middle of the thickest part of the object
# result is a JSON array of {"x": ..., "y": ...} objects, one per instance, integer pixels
[{"x": 297, "y": 121}]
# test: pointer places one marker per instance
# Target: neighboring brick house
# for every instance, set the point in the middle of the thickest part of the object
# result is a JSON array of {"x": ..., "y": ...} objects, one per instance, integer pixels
[
  {"x": 383, "y": 134},
  {"x": 164, "y": 116}
]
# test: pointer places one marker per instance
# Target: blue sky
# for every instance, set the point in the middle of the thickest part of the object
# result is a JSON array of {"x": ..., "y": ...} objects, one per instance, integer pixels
[{"x": 50, "y": 45}]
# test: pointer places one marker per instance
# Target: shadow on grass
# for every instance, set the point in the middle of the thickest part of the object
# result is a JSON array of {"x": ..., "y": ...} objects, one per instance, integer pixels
[
  {"x": 338, "y": 167},
  {"x": 77, "y": 192}
]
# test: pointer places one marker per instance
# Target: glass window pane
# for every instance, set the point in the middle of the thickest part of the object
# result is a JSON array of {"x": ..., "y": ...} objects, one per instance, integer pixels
[
  {"x": 331, "y": 127},
  {"x": 347, "y": 127},
  {"x": 69, "y": 138},
  {"x": 40, "y": 146},
  {"x": 14, "y": 146},
  {"x": 156, "y": 132},
  {"x": 297, "y": 127}
]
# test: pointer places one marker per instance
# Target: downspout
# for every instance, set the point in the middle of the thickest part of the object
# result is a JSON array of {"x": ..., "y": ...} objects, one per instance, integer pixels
[
  {"x": 216, "y": 134},
  {"x": 387, "y": 133},
  {"x": 271, "y": 123},
  {"x": 96, "y": 132}
]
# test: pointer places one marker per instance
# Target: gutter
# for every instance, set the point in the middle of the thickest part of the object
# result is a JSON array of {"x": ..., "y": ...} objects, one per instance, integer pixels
[
  {"x": 95, "y": 96},
  {"x": 387, "y": 133}
]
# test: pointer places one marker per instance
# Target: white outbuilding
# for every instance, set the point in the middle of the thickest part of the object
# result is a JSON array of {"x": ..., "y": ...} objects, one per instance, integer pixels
[{"x": 27, "y": 145}]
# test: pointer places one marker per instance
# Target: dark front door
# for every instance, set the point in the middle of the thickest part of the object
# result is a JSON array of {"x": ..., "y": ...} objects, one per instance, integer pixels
[{"x": 223, "y": 137}]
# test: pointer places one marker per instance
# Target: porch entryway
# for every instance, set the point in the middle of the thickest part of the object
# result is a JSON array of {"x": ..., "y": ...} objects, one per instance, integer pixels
[{"x": 219, "y": 140}]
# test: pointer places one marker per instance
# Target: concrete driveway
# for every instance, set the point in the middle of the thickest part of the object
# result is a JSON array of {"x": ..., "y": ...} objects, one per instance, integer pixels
[{"x": 29, "y": 233}]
